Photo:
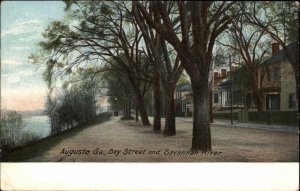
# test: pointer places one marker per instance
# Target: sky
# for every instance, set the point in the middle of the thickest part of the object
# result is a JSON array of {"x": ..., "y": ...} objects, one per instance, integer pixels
[{"x": 22, "y": 24}]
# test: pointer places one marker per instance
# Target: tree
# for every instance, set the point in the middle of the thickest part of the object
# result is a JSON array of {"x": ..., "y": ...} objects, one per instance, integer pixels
[
  {"x": 183, "y": 79},
  {"x": 168, "y": 69},
  {"x": 119, "y": 90},
  {"x": 99, "y": 37},
  {"x": 152, "y": 42},
  {"x": 200, "y": 23},
  {"x": 281, "y": 21},
  {"x": 251, "y": 44},
  {"x": 74, "y": 103},
  {"x": 242, "y": 84}
]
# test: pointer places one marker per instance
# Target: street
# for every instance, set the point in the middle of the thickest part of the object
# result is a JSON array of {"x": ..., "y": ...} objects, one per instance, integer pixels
[{"x": 128, "y": 141}]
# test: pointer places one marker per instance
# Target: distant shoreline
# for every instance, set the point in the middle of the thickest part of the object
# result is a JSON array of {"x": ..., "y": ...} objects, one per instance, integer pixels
[{"x": 26, "y": 113}]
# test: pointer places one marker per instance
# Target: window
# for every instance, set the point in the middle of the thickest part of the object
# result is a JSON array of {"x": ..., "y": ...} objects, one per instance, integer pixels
[
  {"x": 216, "y": 98},
  {"x": 292, "y": 101},
  {"x": 269, "y": 74},
  {"x": 276, "y": 74},
  {"x": 228, "y": 96},
  {"x": 273, "y": 102}
]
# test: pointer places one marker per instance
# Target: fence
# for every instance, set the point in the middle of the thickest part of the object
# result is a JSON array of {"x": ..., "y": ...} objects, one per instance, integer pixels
[
  {"x": 226, "y": 115},
  {"x": 269, "y": 117}
]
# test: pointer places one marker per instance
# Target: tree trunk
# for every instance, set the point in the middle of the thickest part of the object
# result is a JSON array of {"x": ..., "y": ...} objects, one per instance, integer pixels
[
  {"x": 156, "y": 105},
  {"x": 124, "y": 110},
  {"x": 143, "y": 112},
  {"x": 259, "y": 102},
  {"x": 136, "y": 113},
  {"x": 201, "y": 123},
  {"x": 139, "y": 100},
  {"x": 129, "y": 108},
  {"x": 259, "y": 99},
  {"x": 210, "y": 97},
  {"x": 170, "y": 128}
]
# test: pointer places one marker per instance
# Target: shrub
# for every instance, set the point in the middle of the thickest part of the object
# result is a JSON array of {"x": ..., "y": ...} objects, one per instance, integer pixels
[
  {"x": 11, "y": 127},
  {"x": 225, "y": 115},
  {"x": 103, "y": 117},
  {"x": 127, "y": 118},
  {"x": 28, "y": 137}
]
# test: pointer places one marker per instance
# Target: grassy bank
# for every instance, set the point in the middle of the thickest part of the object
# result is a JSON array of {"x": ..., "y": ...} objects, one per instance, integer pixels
[{"x": 36, "y": 148}]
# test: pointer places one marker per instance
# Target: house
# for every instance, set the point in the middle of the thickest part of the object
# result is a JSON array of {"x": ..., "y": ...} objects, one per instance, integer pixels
[
  {"x": 221, "y": 90},
  {"x": 184, "y": 100},
  {"x": 279, "y": 84},
  {"x": 278, "y": 87},
  {"x": 220, "y": 97}
]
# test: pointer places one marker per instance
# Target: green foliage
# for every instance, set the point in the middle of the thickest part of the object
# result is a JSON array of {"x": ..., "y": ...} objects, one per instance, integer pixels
[
  {"x": 183, "y": 80},
  {"x": 278, "y": 17},
  {"x": 127, "y": 118},
  {"x": 119, "y": 89},
  {"x": 220, "y": 60},
  {"x": 103, "y": 116},
  {"x": 11, "y": 130},
  {"x": 241, "y": 85},
  {"x": 77, "y": 104},
  {"x": 28, "y": 137},
  {"x": 41, "y": 146},
  {"x": 274, "y": 117},
  {"x": 286, "y": 14},
  {"x": 225, "y": 115},
  {"x": 105, "y": 9}
]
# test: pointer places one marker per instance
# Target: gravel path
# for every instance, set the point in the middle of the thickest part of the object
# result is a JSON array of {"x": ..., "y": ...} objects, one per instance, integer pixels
[{"x": 128, "y": 141}]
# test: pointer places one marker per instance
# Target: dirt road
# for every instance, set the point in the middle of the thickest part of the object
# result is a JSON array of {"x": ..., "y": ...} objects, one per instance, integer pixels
[{"x": 128, "y": 141}]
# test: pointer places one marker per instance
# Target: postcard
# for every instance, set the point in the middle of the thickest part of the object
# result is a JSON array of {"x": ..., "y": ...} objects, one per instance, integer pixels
[{"x": 148, "y": 85}]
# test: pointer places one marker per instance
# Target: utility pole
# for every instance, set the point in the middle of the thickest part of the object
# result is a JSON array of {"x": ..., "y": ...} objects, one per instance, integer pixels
[
  {"x": 136, "y": 113},
  {"x": 231, "y": 93},
  {"x": 211, "y": 95}
]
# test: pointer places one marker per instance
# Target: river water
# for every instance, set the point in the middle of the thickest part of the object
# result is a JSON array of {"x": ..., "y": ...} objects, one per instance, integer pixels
[{"x": 37, "y": 125}]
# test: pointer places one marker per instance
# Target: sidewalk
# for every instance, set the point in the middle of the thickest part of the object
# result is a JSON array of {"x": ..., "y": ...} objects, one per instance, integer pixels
[
  {"x": 128, "y": 141},
  {"x": 226, "y": 123}
]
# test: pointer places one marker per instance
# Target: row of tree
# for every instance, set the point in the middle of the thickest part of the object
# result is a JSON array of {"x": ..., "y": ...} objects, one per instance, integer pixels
[
  {"x": 74, "y": 104},
  {"x": 152, "y": 42}
]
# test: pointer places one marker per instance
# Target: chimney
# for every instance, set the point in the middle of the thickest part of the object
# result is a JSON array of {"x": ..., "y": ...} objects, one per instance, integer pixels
[
  {"x": 275, "y": 48},
  {"x": 223, "y": 73},
  {"x": 216, "y": 75}
]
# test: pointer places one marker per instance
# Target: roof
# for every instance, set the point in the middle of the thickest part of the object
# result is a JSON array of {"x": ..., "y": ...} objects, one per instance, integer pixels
[
  {"x": 281, "y": 55},
  {"x": 186, "y": 87},
  {"x": 225, "y": 84}
]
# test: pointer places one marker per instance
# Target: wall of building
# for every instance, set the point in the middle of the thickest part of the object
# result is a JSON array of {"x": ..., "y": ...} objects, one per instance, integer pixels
[
  {"x": 269, "y": 83},
  {"x": 187, "y": 104},
  {"x": 180, "y": 94},
  {"x": 288, "y": 86}
]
